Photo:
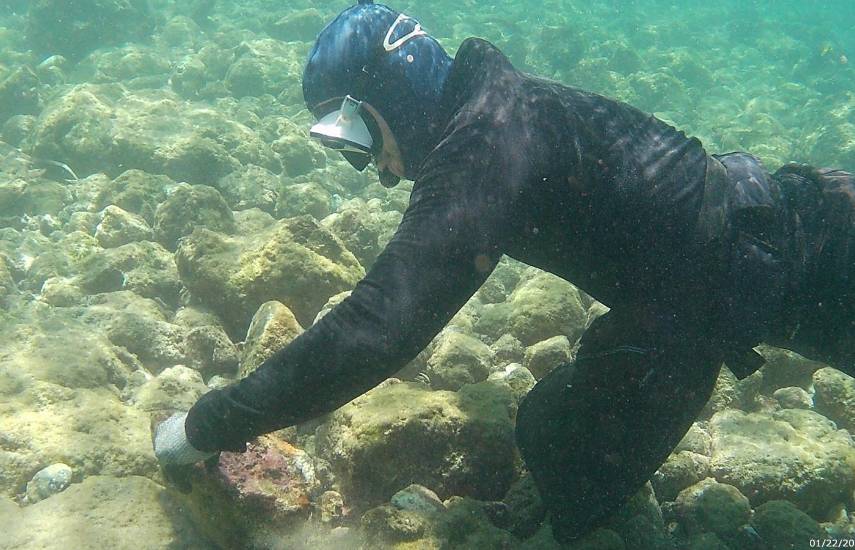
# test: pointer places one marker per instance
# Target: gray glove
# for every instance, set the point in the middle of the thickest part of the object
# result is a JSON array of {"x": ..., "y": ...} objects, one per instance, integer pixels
[{"x": 171, "y": 446}]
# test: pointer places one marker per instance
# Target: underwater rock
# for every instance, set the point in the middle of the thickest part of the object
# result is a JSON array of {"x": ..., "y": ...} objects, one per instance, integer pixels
[
  {"x": 709, "y": 506},
  {"x": 251, "y": 187},
  {"x": 640, "y": 523},
  {"x": 725, "y": 394},
  {"x": 517, "y": 378},
  {"x": 138, "y": 325},
  {"x": 784, "y": 369},
  {"x": 48, "y": 481},
  {"x": 796, "y": 398},
  {"x": 129, "y": 63},
  {"x": 16, "y": 128},
  {"x": 706, "y": 541},
  {"x": 55, "y": 28},
  {"x": 296, "y": 262},
  {"x": 209, "y": 351},
  {"x": 457, "y": 359},
  {"x": 781, "y": 525},
  {"x": 32, "y": 197},
  {"x": 331, "y": 506},
  {"x": 300, "y": 25},
  {"x": 417, "y": 498},
  {"x": 398, "y": 434},
  {"x": 681, "y": 470},
  {"x": 507, "y": 350},
  {"x": 179, "y": 30},
  {"x": 260, "y": 495},
  {"x": 299, "y": 154},
  {"x": 176, "y": 388},
  {"x": 793, "y": 454},
  {"x": 144, "y": 267},
  {"x": 117, "y": 227},
  {"x": 19, "y": 93},
  {"x": 264, "y": 66},
  {"x": 273, "y": 327},
  {"x": 835, "y": 396},
  {"x": 108, "y": 128},
  {"x": 525, "y": 507},
  {"x": 102, "y": 512},
  {"x": 464, "y": 524},
  {"x": 541, "y": 306},
  {"x": 137, "y": 192},
  {"x": 364, "y": 227},
  {"x": 91, "y": 430},
  {"x": 696, "y": 440},
  {"x": 188, "y": 77},
  {"x": 305, "y": 198},
  {"x": 544, "y": 356},
  {"x": 189, "y": 207}
]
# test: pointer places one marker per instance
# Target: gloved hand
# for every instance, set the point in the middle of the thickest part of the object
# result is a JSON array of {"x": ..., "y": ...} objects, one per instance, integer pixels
[{"x": 171, "y": 446}]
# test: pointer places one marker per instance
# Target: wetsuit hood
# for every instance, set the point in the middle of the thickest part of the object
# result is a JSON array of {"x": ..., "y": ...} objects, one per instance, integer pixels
[{"x": 382, "y": 57}]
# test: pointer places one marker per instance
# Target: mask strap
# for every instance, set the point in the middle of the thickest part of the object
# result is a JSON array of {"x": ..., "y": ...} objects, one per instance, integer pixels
[{"x": 392, "y": 46}]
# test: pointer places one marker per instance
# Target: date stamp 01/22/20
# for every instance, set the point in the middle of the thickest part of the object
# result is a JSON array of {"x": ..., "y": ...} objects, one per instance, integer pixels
[{"x": 832, "y": 543}]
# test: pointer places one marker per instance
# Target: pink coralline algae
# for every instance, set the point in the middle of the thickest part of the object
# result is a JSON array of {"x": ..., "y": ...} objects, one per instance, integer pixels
[{"x": 271, "y": 477}]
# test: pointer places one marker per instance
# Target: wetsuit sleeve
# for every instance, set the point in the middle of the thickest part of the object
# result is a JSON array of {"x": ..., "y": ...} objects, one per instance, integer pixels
[{"x": 443, "y": 250}]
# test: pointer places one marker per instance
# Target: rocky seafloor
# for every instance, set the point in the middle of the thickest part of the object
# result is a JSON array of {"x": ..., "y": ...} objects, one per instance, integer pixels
[{"x": 165, "y": 225}]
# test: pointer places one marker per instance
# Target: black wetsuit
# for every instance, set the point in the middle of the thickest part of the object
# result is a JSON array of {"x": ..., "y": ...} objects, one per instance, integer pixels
[{"x": 698, "y": 257}]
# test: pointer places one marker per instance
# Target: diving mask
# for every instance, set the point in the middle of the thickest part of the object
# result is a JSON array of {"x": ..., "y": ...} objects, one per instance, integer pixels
[{"x": 346, "y": 131}]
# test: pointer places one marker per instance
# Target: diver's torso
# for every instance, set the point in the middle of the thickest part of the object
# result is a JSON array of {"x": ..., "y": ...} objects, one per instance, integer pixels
[{"x": 606, "y": 196}]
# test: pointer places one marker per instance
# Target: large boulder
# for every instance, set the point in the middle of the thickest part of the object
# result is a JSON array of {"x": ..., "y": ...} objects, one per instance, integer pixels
[
  {"x": 106, "y": 128},
  {"x": 400, "y": 433},
  {"x": 296, "y": 262},
  {"x": 189, "y": 207},
  {"x": 793, "y": 454},
  {"x": 457, "y": 359},
  {"x": 835, "y": 396}
]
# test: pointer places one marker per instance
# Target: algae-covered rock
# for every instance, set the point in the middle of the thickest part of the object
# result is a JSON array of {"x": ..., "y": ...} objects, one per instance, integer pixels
[
  {"x": 792, "y": 454},
  {"x": 709, "y": 506},
  {"x": 107, "y": 128},
  {"x": 144, "y": 267},
  {"x": 210, "y": 351},
  {"x": 73, "y": 30},
  {"x": 544, "y": 356},
  {"x": 176, "y": 388},
  {"x": 681, "y": 470},
  {"x": 303, "y": 25},
  {"x": 781, "y": 525},
  {"x": 117, "y": 227},
  {"x": 251, "y": 187},
  {"x": 123, "y": 513},
  {"x": 138, "y": 325},
  {"x": 364, "y": 227},
  {"x": 137, "y": 192},
  {"x": 507, "y": 350},
  {"x": 295, "y": 262},
  {"x": 542, "y": 306},
  {"x": 189, "y": 207},
  {"x": 19, "y": 93},
  {"x": 795, "y": 398},
  {"x": 310, "y": 198},
  {"x": 272, "y": 328},
  {"x": 264, "y": 66},
  {"x": 398, "y": 434},
  {"x": 835, "y": 396},
  {"x": 457, "y": 359}
]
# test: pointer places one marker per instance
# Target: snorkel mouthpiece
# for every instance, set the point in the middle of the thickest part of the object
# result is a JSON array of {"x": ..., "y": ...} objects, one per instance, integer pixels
[{"x": 344, "y": 129}]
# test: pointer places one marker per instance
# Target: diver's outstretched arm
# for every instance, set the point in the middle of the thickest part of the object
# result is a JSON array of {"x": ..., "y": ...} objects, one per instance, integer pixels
[{"x": 593, "y": 431}]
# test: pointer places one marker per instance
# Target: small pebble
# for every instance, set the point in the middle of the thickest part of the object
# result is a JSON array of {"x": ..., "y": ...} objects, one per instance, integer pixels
[{"x": 48, "y": 481}]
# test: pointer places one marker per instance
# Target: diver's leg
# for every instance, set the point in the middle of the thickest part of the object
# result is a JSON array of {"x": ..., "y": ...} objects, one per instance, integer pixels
[
  {"x": 821, "y": 312},
  {"x": 592, "y": 432}
]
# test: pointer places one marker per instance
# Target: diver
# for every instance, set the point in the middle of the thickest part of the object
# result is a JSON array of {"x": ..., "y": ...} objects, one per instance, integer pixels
[{"x": 699, "y": 257}]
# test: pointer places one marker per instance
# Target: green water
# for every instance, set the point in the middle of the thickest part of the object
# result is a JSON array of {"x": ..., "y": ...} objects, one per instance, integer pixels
[{"x": 125, "y": 125}]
